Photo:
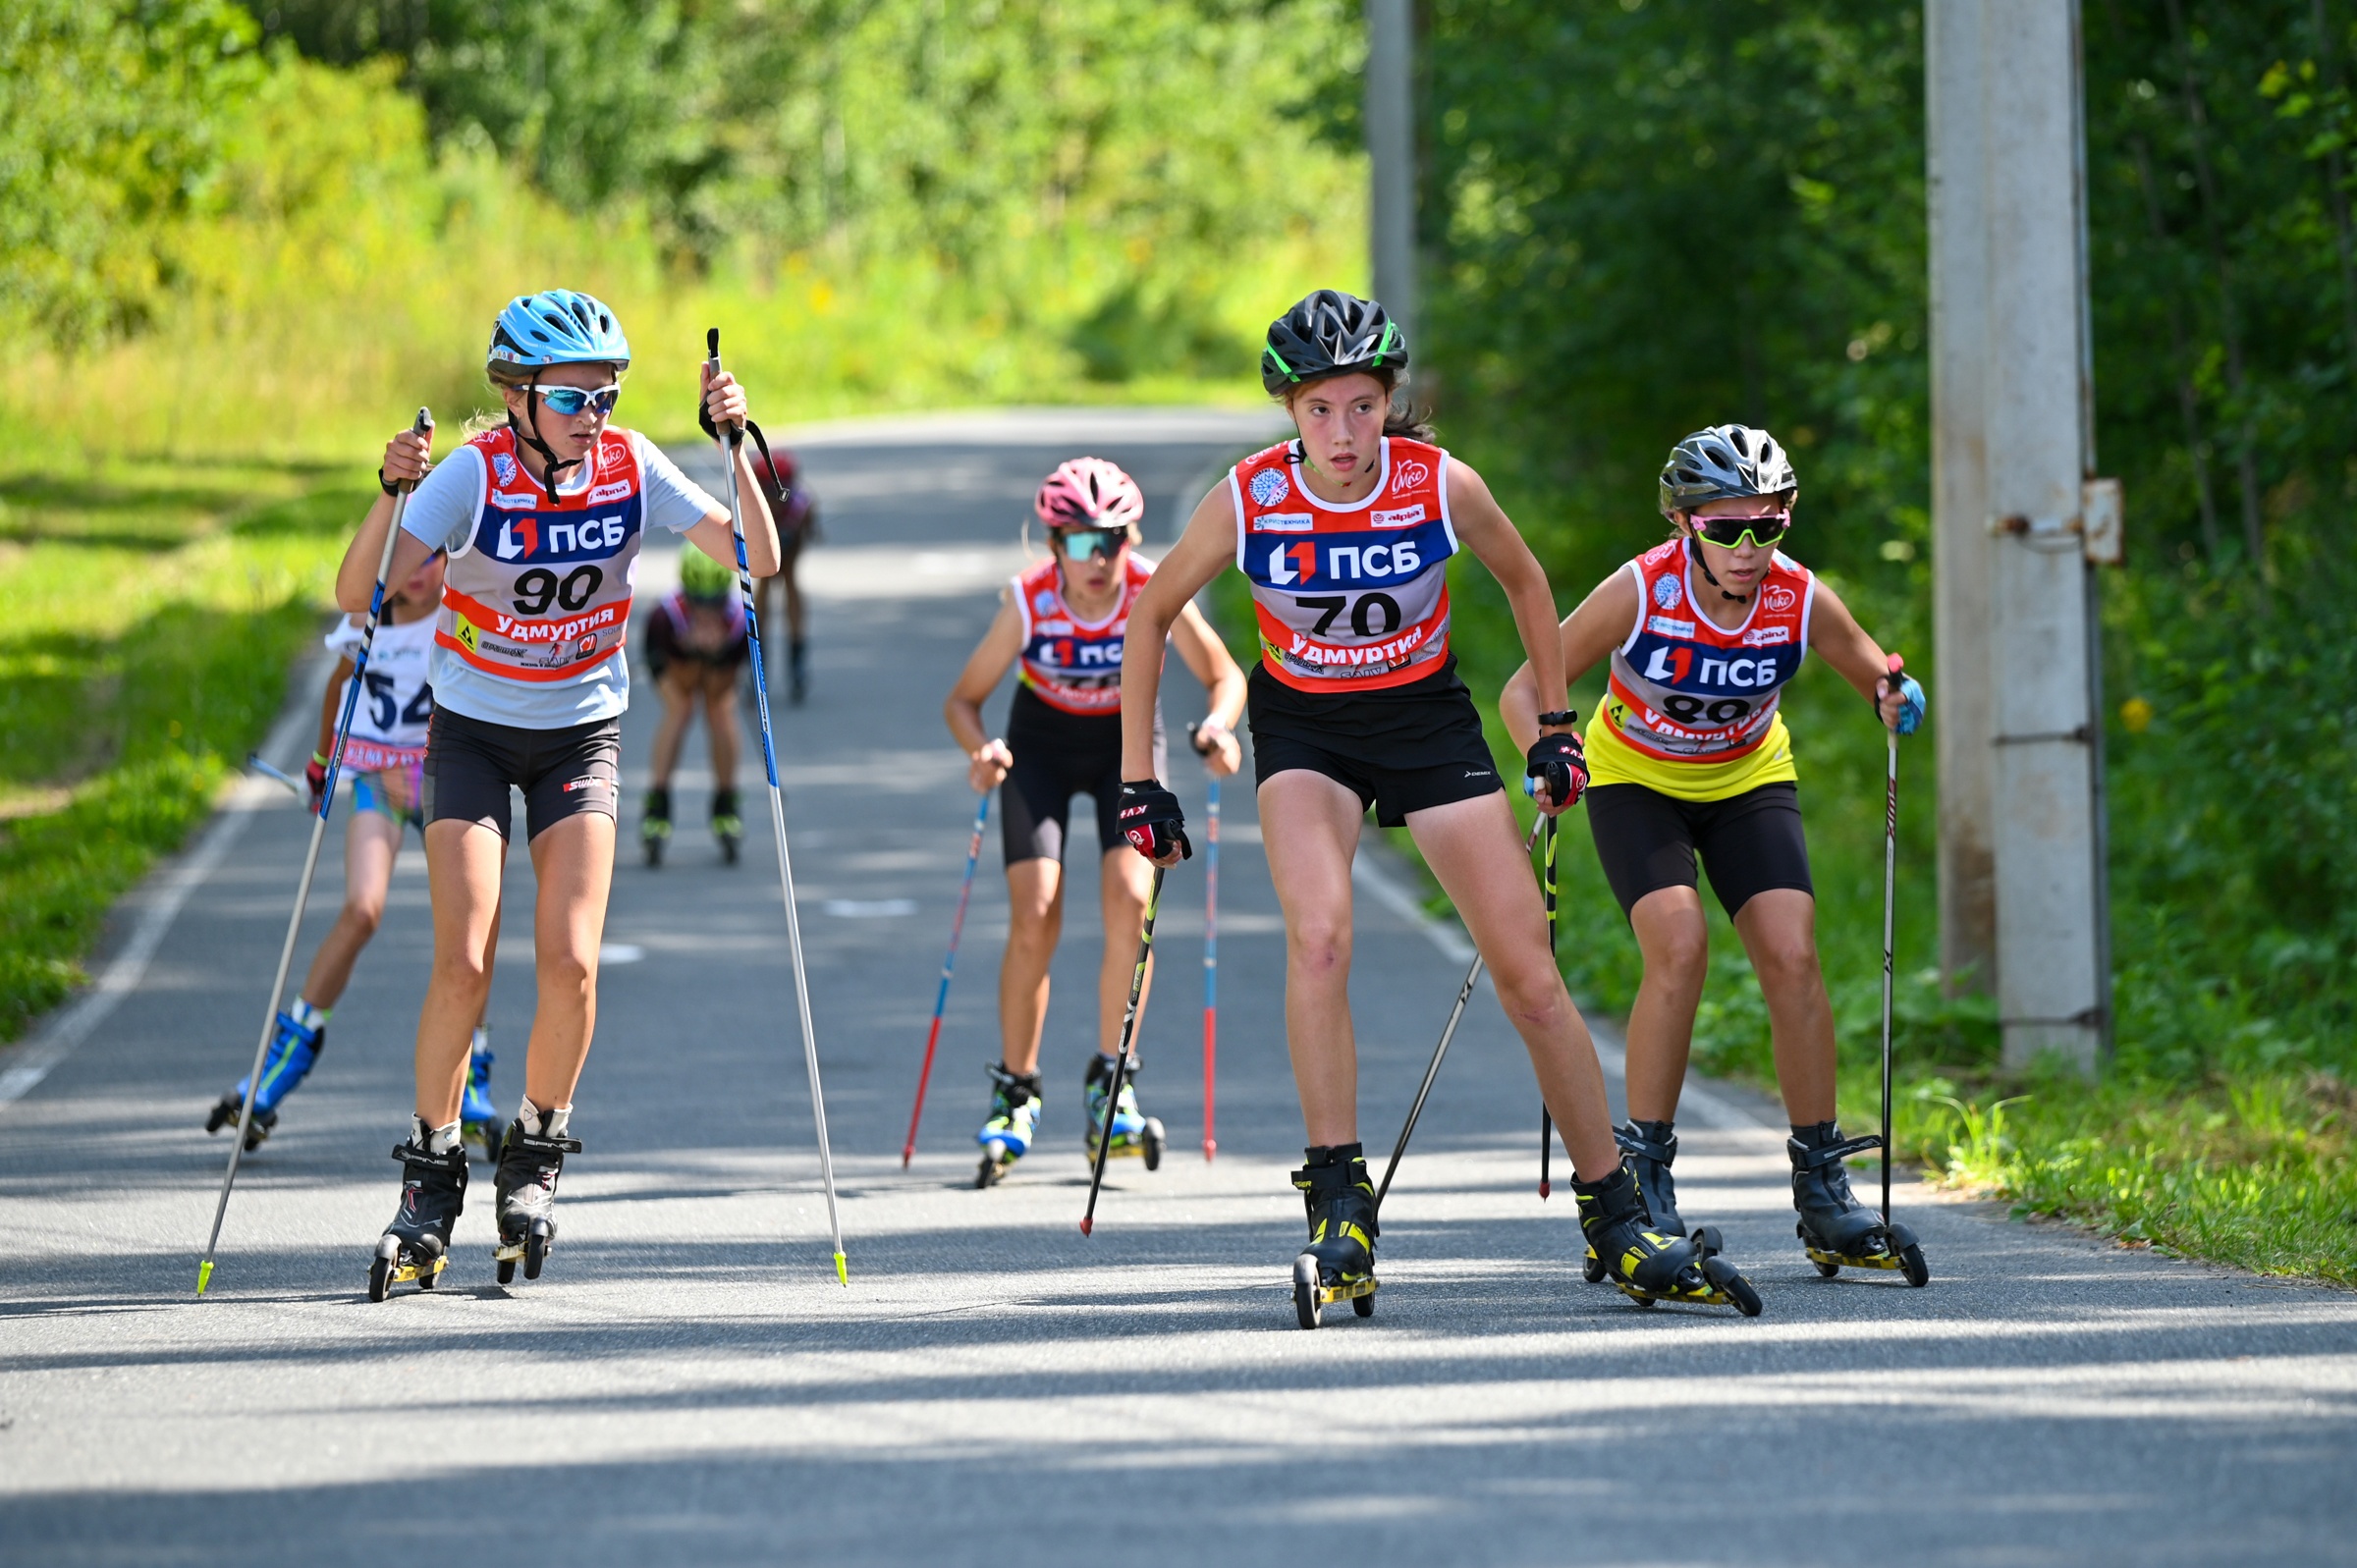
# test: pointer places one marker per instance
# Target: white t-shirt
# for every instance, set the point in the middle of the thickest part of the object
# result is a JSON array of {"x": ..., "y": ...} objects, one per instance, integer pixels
[{"x": 397, "y": 700}]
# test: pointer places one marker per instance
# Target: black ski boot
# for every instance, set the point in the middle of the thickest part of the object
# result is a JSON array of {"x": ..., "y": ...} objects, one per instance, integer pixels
[
  {"x": 1648, "y": 1265},
  {"x": 433, "y": 1193},
  {"x": 1834, "y": 1228},
  {"x": 1649, "y": 1146},
  {"x": 654, "y": 824},
  {"x": 726, "y": 826},
  {"x": 529, "y": 1163},
  {"x": 798, "y": 675},
  {"x": 1339, "y": 1265}
]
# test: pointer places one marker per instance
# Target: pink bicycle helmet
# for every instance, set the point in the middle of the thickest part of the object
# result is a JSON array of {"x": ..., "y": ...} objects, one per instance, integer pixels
[{"x": 1090, "y": 493}]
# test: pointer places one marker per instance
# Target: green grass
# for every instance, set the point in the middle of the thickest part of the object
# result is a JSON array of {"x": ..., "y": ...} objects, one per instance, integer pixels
[
  {"x": 153, "y": 611},
  {"x": 2239, "y": 1151}
]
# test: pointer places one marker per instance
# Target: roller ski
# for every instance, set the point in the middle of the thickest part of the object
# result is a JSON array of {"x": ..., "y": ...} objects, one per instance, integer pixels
[
  {"x": 1648, "y": 1265},
  {"x": 1134, "y": 1134},
  {"x": 416, "y": 1247},
  {"x": 726, "y": 826},
  {"x": 478, "y": 1118},
  {"x": 530, "y": 1162},
  {"x": 294, "y": 1051},
  {"x": 1649, "y": 1146},
  {"x": 1014, "y": 1106},
  {"x": 654, "y": 826},
  {"x": 1339, "y": 1265},
  {"x": 1835, "y": 1229}
]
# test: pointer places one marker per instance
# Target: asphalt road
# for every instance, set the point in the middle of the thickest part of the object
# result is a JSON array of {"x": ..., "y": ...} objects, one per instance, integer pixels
[{"x": 688, "y": 1383}]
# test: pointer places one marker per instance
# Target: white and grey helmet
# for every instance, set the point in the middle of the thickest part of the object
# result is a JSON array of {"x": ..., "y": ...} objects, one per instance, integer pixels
[{"x": 1721, "y": 463}]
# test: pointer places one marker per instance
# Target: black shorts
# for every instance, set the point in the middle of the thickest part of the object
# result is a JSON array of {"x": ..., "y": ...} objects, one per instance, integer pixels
[
  {"x": 471, "y": 765},
  {"x": 664, "y": 649},
  {"x": 1059, "y": 755},
  {"x": 1406, "y": 748},
  {"x": 1748, "y": 843}
]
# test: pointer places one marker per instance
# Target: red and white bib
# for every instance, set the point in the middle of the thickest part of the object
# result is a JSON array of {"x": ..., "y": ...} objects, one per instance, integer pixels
[
  {"x": 1074, "y": 665},
  {"x": 1683, "y": 689},
  {"x": 1352, "y": 596},
  {"x": 541, "y": 589}
]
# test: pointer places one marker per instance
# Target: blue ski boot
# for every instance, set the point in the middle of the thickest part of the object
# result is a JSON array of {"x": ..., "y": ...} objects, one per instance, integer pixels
[
  {"x": 1134, "y": 1133},
  {"x": 478, "y": 1118},
  {"x": 293, "y": 1050},
  {"x": 1014, "y": 1106}
]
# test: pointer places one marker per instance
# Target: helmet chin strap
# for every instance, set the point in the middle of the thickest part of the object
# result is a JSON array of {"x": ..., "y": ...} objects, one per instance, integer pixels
[
  {"x": 1705, "y": 568},
  {"x": 532, "y": 437}
]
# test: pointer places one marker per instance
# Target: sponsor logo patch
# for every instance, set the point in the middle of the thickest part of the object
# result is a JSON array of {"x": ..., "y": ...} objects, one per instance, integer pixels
[
  {"x": 511, "y": 501},
  {"x": 1667, "y": 593},
  {"x": 1284, "y": 523},
  {"x": 1401, "y": 518},
  {"x": 504, "y": 467},
  {"x": 1767, "y": 636},
  {"x": 618, "y": 491},
  {"x": 1044, "y": 602},
  {"x": 1659, "y": 553},
  {"x": 1776, "y": 598},
  {"x": 1409, "y": 476},
  {"x": 1270, "y": 486},
  {"x": 1667, "y": 628}
]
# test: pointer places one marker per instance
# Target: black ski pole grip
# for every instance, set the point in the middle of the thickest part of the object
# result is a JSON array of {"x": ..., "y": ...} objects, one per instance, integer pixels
[{"x": 424, "y": 424}]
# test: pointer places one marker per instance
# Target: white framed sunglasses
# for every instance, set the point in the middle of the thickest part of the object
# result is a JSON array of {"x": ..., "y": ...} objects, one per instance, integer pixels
[{"x": 578, "y": 399}]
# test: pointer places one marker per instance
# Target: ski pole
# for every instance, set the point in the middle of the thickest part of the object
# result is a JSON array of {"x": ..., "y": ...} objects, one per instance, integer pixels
[
  {"x": 1546, "y": 1116},
  {"x": 1121, "y": 1063},
  {"x": 777, "y": 821},
  {"x": 423, "y": 427},
  {"x": 1890, "y": 904},
  {"x": 941, "y": 999},
  {"x": 1210, "y": 966},
  {"x": 1464, "y": 993},
  {"x": 253, "y": 760}
]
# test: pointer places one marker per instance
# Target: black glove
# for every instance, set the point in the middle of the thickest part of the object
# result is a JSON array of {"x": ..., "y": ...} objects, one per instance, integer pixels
[
  {"x": 1152, "y": 822},
  {"x": 1559, "y": 764}
]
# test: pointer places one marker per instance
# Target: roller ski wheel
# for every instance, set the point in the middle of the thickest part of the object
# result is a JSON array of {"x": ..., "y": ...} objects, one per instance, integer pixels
[
  {"x": 1836, "y": 1230},
  {"x": 529, "y": 1163},
  {"x": 1591, "y": 1266},
  {"x": 416, "y": 1247},
  {"x": 224, "y": 1115},
  {"x": 1338, "y": 1264},
  {"x": 1009, "y": 1131},
  {"x": 1648, "y": 1267},
  {"x": 1136, "y": 1135}
]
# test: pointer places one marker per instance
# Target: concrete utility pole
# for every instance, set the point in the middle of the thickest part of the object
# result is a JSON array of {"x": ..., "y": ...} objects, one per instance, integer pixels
[
  {"x": 2021, "y": 731},
  {"x": 1391, "y": 115}
]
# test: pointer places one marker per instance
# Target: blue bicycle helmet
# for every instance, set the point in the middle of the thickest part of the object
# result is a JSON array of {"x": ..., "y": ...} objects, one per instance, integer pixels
[{"x": 558, "y": 327}]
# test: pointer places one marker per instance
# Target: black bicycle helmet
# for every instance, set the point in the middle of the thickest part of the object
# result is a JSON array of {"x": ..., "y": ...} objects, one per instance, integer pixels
[
  {"x": 1721, "y": 463},
  {"x": 1329, "y": 334}
]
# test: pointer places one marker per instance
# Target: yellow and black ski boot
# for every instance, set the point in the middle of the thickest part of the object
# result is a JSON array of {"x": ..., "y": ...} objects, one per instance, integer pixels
[
  {"x": 1648, "y": 1265},
  {"x": 1338, "y": 1264},
  {"x": 1651, "y": 1145},
  {"x": 654, "y": 825},
  {"x": 1835, "y": 1229}
]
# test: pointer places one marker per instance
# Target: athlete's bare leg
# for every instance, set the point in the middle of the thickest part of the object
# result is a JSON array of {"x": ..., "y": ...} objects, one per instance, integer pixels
[
  {"x": 1472, "y": 847},
  {"x": 462, "y": 865},
  {"x": 679, "y": 686},
  {"x": 1128, "y": 879},
  {"x": 1034, "y": 925},
  {"x": 718, "y": 693},
  {"x": 1675, "y": 941},
  {"x": 1779, "y": 927},
  {"x": 575, "y": 864},
  {"x": 371, "y": 841},
  {"x": 1309, "y": 828}
]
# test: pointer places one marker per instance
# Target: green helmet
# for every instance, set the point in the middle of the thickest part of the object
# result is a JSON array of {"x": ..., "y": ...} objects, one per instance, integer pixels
[{"x": 702, "y": 578}]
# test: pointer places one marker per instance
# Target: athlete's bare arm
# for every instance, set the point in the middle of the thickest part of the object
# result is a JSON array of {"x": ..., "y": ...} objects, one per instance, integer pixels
[
  {"x": 1213, "y": 665},
  {"x": 1205, "y": 550},
  {"x": 331, "y": 704},
  {"x": 1589, "y": 634},
  {"x": 405, "y": 460},
  {"x": 987, "y": 758},
  {"x": 1839, "y": 639},
  {"x": 1483, "y": 527}
]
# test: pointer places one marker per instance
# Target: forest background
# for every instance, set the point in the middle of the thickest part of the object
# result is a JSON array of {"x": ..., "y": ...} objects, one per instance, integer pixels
[{"x": 236, "y": 246}]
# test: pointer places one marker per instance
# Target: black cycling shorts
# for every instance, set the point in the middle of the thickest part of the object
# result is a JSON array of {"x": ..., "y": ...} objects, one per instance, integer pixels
[
  {"x": 1406, "y": 748},
  {"x": 1059, "y": 755},
  {"x": 471, "y": 765},
  {"x": 1748, "y": 843}
]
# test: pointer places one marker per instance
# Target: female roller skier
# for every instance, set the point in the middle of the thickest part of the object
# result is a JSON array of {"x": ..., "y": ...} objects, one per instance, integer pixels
[
  {"x": 797, "y": 512},
  {"x": 1344, "y": 535},
  {"x": 1691, "y": 758},
  {"x": 695, "y": 643},
  {"x": 1065, "y": 620},
  {"x": 542, "y": 516},
  {"x": 385, "y": 752}
]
